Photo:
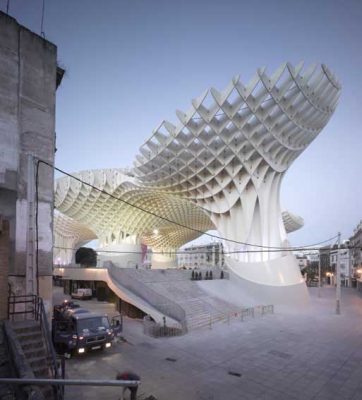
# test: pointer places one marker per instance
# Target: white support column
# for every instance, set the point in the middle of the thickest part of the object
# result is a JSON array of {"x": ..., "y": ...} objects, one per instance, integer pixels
[{"x": 338, "y": 277}]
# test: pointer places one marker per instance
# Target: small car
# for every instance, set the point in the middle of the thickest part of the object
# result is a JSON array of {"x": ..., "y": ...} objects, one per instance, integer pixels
[{"x": 82, "y": 294}]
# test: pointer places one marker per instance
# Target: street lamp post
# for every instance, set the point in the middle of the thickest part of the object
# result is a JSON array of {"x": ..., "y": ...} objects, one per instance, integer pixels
[
  {"x": 319, "y": 276},
  {"x": 338, "y": 272}
]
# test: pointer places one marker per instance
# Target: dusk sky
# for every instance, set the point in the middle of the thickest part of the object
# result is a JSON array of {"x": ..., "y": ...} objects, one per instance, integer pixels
[{"x": 130, "y": 64}]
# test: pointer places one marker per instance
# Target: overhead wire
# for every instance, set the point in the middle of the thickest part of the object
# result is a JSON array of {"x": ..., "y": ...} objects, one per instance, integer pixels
[
  {"x": 37, "y": 229},
  {"x": 197, "y": 252},
  {"x": 39, "y": 161}
]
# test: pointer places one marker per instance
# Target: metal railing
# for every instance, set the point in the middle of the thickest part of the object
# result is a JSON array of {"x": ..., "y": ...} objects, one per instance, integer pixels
[
  {"x": 31, "y": 307},
  {"x": 54, "y": 365},
  {"x": 161, "y": 303},
  {"x": 23, "y": 306},
  {"x": 269, "y": 309},
  {"x": 154, "y": 329},
  {"x": 70, "y": 382},
  {"x": 248, "y": 312}
]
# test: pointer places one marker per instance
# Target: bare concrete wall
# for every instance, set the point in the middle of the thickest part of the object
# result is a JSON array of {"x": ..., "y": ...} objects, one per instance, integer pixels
[
  {"x": 4, "y": 267},
  {"x": 28, "y": 68}
]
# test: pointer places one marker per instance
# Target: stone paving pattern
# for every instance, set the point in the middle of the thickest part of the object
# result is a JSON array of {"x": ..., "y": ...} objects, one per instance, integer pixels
[{"x": 308, "y": 353}]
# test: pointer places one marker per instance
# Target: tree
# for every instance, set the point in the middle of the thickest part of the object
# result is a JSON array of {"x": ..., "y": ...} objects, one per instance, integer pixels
[{"x": 86, "y": 256}]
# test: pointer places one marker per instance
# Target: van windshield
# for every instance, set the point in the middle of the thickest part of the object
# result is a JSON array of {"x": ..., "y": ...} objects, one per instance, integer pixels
[{"x": 92, "y": 325}]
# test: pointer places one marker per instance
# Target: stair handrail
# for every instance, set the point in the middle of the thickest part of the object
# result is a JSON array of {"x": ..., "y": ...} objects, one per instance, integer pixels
[
  {"x": 34, "y": 306},
  {"x": 44, "y": 325},
  {"x": 17, "y": 360}
]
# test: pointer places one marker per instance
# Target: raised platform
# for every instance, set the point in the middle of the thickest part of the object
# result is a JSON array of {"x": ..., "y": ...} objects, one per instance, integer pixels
[{"x": 154, "y": 291}]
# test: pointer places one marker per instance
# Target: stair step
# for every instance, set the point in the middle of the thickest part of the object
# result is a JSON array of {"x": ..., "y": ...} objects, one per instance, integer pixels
[
  {"x": 41, "y": 372},
  {"x": 47, "y": 392},
  {"x": 35, "y": 353},
  {"x": 24, "y": 323},
  {"x": 38, "y": 361},
  {"x": 32, "y": 344},
  {"x": 200, "y": 315},
  {"x": 26, "y": 326},
  {"x": 29, "y": 332},
  {"x": 200, "y": 322},
  {"x": 29, "y": 336},
  {"x": 39, "y": 358},
  {"x": 6, "y": 392}
]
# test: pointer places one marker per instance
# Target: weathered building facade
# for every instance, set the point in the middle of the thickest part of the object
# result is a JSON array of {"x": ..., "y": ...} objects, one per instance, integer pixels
[
  {"x": 208, "y": 255},
  {"x": 356, "y": 245},
  {"x": 28, "y": 80}
]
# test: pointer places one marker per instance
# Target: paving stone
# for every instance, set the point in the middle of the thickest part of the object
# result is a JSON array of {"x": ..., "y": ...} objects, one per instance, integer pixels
[{"x": 295, "y": 354}]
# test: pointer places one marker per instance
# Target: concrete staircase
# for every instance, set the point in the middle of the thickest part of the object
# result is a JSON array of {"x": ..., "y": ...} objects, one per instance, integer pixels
[
  {"x": 29, "y": 335},
  {"x": 6, "y": 391},
  {"x": 203, "y": 312},
  {"x": 200, "y": 307}
]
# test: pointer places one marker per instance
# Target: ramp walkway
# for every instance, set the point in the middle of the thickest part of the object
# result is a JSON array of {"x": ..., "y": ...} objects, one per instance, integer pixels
[
  {"x": 160, "y": 293},
  {"x": 176, "y": 285}
]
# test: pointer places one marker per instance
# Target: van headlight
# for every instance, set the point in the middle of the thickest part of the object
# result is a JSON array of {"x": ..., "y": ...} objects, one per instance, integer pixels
[
  {"x": 108, "y": 345},
  {"x": 81, "y": 350}
]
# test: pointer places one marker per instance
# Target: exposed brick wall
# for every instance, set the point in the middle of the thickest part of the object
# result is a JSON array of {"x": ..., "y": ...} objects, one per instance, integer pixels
[{"x": 4, "y": 267}]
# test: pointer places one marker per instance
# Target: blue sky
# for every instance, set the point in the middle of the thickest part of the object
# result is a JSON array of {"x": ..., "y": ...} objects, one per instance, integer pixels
[{"x": 131, "y": 64}]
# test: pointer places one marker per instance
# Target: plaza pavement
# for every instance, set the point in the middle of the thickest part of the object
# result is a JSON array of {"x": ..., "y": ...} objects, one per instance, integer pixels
[{"x": 308, "y": 353}]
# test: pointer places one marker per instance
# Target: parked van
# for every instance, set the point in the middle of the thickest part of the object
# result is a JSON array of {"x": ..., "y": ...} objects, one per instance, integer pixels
[
  {"x": 82, "y": 294},
  {"x": 76, "y": 330}
]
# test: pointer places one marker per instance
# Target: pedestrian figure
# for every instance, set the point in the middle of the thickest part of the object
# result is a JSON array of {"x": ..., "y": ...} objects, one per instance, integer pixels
[{"x": 129, "y": 376}]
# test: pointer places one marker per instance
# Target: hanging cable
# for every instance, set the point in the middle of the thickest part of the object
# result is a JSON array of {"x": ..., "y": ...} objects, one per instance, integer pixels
[
  {"x": 194, "y": 252},
  {"x": 178, "y": 223},
  {"x": 36, "y": 228}
]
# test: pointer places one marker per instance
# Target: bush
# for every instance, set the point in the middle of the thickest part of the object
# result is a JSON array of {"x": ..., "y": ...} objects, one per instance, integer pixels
[{"x": 86, "y": 256}]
